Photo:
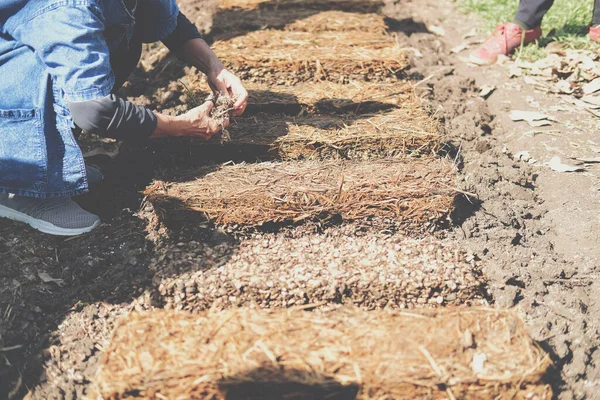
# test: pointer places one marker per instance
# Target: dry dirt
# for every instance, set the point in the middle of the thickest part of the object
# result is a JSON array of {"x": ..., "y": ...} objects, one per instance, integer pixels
[{"x": 536, "y": 243}]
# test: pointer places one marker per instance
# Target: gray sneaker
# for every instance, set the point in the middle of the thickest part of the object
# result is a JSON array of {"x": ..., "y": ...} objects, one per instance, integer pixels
[{"x": 61, "y": 216}]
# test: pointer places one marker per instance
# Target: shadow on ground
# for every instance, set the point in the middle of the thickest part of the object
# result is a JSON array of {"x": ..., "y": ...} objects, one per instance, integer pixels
[
  {"x": 45, "y": 280},
  {"x": 262, "y": 384}
]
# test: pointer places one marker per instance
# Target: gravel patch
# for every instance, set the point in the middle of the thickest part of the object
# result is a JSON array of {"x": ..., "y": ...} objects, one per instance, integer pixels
[{"x": 271, "y": 270}]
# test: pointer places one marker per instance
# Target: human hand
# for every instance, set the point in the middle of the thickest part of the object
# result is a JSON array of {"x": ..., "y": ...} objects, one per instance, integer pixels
[
  {"x": 225, "y": 83},
  {"x": 201, "y": 124},
  {"x": 196, "y": 123}
]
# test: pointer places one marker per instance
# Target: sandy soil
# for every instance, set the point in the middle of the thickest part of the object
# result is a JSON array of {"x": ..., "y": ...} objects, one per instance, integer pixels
[{"x": 534, "y": 240}]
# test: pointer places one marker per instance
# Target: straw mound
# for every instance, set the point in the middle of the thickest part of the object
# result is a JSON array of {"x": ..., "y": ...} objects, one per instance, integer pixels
[
  {"x": 302, "y": 20},
  {"x": 355, "y": 97},
  {"x": 327, "y": 136},
  {"x": 476, "y": 353},
  {"x": 378, "y": 120},
  {"x": 274, "y": 271},
  {"x": 293, "y": 57},
  {"x": 347, "y": 5},
  {"x": 339, "y": 21},
  {"x": 410, "y": 193}
]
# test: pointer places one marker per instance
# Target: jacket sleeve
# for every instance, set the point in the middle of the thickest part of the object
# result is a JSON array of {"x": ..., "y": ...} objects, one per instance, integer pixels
[
  {"x": 155, "y": 19},
  {"x": 114, "y": 117},
  {"x": 69, "y": 40},
  {"x": 183, "y": 32}
]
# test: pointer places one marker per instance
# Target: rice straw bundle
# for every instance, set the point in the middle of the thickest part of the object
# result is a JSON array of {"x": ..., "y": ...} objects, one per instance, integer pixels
[
  {"x": 465, "y": 353},
  {"x": 412, "y": 194},
  {"x": 292, "y": 57},
  {"x": 297, "y": 19},
  {"x": 346, "y": 5},
  {"x": 354, "y": 97},
  {"x": 325, "y": 136},
  {"x": 339, "y": 21}
]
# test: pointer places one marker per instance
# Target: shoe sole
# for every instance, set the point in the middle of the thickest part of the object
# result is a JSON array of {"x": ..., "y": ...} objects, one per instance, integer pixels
[{"x": 43, "y": 226}]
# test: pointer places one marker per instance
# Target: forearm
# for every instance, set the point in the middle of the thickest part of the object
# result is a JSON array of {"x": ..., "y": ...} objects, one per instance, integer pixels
[
  {"x": 168, "y": 125},
  {"x": 197, "y": 53},
  {"x": 195, "y": 123}
]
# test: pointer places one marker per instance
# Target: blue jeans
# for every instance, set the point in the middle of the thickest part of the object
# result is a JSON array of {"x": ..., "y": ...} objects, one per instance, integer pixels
[
  {"x": 531, "y": 12},
  {"x": 52, "y": 52}
]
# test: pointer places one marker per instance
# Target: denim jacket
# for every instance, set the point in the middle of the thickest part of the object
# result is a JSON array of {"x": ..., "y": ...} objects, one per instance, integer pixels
[{"x": 52, "y": 52}]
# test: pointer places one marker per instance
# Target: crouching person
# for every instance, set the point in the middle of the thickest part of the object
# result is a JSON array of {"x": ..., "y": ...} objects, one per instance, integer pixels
[{"x": 61, "y": 63}]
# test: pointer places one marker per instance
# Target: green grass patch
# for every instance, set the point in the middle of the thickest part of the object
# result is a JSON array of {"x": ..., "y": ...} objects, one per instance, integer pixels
[{"x": 566, "y": 22}]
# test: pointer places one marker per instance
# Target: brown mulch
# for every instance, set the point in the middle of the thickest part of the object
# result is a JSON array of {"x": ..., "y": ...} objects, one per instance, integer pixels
[
  {"x": 301, "y": 20},
  {"x": 274, "y": 271},
  {"x": 410, "y": 193},
  {"x": 362, "y": 5},
  {"x": 292, "y": 57},
  {"x": 466, "y": 353}
]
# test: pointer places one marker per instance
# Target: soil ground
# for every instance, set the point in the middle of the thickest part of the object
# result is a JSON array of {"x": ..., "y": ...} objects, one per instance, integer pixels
[{"x": 532, "y": 230}]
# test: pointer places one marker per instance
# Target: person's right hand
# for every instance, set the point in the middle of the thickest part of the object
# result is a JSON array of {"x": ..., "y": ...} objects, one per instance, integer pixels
[
  {"x": 202, "y": 125},
  {"x": 196, "y": 123}
]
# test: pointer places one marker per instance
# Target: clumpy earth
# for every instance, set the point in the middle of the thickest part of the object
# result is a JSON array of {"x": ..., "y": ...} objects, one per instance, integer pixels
[{"x": 526, "y": 241}]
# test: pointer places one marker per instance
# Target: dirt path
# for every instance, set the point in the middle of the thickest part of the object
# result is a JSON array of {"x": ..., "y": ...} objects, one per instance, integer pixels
[{"x": 534, "y": 229}]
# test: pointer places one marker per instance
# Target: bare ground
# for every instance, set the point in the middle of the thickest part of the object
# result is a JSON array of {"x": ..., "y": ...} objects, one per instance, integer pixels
[{"x": 535, "y": 241}]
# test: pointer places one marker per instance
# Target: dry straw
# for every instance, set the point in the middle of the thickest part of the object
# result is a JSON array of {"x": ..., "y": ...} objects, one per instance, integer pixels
[
  {"x": 362, "y": 5},
  {"x": 293, "y": 57},
  {"x": 468, "y": 353},
  {"x": 354, "y": 97},
  {"x": 301, "y": 20},
  {"x": 327, "y": 136},
  {"x": 403, "y": 129},
  {"x": 325, "y": 119},
  {"x": 409, "y": 193},
  {"x": 339, "y": 21}
]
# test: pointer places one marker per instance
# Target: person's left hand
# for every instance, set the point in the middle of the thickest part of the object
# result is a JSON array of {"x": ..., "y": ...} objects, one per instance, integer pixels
[{"x": 224, "y": 82}]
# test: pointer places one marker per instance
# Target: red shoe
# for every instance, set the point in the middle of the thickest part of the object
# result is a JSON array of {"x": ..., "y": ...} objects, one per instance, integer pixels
[
  {"x": 595, "y": 33},
  {"x": 503, "y": 40}
]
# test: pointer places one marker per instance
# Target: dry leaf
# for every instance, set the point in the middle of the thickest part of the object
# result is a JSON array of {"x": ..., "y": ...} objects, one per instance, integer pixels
[
  {"x": 592, "y": 87},
  {"x": 522, "y": 155},
  {"x": 593, "y": 100},
  {"x": 564, "y": 86},
  {"x": 556, "y": 165},
  {"x": 470, "y": 34},
  {"x": 517, "y": 115},
  {"x": 414, "y": 50},
  {"x": 539, "y": 124},
  {"x": 438, "y": 30},
  {"x": 486, "y": 91},
  {"x": 459, "y": 48},
  {"x": 589, "y": 160},
  {"x": 46, "y": 278}
]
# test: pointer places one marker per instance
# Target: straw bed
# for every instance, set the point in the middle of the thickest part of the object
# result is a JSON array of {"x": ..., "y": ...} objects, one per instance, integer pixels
[
  {"x": 292, "y": 57},
  {"x": 413, "y": 194},
  {"x": 355, "y": 97},
  {"x": 331, "y": 120},
  {"x": 347, "y": 5},
  {"x": 301, "y": 20},
  {"x": 476, "y": 353},
  {"x": 339, "y": 21},
  {"x": 326, "y": 136},
  {"x": 274, "y": 271}
]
